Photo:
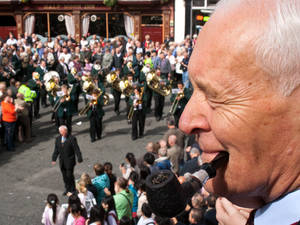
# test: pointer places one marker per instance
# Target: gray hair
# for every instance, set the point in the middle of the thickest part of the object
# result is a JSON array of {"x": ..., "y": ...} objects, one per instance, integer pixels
[
  {"x": 63, "y": 127},
  {"x": 277, "y": 48}
]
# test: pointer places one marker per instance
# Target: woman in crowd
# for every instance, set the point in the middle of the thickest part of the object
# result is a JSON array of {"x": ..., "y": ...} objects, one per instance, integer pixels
[
  {"x": 133, "y": 187},
  {"x": 108, "y": 205},
  {"x": 74, "y": 200},
  {"x": 123, "y": 198},
  {"x": 53, "y": 214},
  {"x": 9, "y": 118},
  {"x": 129, "y": 166}
]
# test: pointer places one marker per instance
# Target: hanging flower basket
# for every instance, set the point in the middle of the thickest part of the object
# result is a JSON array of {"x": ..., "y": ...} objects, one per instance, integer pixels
[{"x": 110, "y": 3}]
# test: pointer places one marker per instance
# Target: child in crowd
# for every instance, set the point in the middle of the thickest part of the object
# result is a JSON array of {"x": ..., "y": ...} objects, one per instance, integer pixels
[
  {"x": 112, "y": 177},
  {"x": 108, "y": 205},
  {"x": 53, "y": 214}
]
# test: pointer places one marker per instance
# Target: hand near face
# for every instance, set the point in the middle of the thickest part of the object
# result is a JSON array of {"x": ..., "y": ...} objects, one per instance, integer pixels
[{"x": 230, "y": 214}]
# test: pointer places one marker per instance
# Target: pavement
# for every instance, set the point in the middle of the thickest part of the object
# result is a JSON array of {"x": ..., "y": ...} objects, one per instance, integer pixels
[{"x": 27, "y": 176}]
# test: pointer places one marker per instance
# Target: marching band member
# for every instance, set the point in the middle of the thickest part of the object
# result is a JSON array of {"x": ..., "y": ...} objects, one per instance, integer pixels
[
  {"x": 130, "y": 80},
  {"x": 36, "y": 85},
  {"x": 159, "y": 99},
  {"x": 117, "y": 94},
  {"x": 66, "y": 108},
  {"x": 74, "y": 80},
  {"x": 95, "y": 115},
  {"x": 138, "y": 103},
  {"x": 182, "y": 96},
  {"x": 42, "y": 69}
]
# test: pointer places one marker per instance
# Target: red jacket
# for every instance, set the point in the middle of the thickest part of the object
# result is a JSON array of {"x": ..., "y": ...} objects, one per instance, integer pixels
[{"x": 8, "y": 112}]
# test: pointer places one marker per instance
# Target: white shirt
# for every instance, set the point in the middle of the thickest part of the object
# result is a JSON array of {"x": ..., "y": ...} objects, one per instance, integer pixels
[
  {"x": 144, "y": 221},
  {"x": 283, "y": 211}
]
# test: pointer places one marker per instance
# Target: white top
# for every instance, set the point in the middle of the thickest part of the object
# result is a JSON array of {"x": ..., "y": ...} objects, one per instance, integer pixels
[
  {"x": 70, "y": 219},
  {"x": 146, "y": 221},
  {"x": 284, "y": 211},
  {"x": 48, "y": 214}
]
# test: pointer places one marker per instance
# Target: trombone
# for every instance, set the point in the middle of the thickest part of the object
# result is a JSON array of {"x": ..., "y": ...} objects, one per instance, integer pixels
[
  {"x": 67, "y": 97},
  {"x": 139, "y": 101},
  {"x": 86, "y": 108},
  {"x": 173, "y": 108}
]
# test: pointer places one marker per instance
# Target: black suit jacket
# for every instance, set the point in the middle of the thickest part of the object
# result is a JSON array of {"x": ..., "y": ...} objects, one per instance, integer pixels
[
  {"x": 61, "y": 71},
  {"x": 67, "y": 152}
]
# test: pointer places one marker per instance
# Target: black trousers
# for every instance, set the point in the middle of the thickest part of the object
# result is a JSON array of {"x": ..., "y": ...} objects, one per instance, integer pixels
[
  {"x": 43, "y": 93},
  {"x": 65, "y": 120},
  {"x": 138, "y": 123},
  {"x": 36, "y": 105},
  {"x": 117, "y": 99},
  {"x": 177, "y": 116},
  {"x": 159, "y": 105},
  {"x": 149, "y": 100},
  {"x": 128, "y": 106},
  {"x": 68, "y": 177},
  {"x": 95, "y": 127}
]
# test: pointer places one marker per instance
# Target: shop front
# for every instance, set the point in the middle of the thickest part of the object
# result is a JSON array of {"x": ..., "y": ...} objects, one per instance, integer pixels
[{"x": 77, "y": 18}]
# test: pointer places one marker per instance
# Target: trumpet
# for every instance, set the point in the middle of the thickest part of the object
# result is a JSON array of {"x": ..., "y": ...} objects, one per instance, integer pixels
[
  {"x": 94, "y": 101},
  {"x": 155, "y": 83},
  {"x": 179, "y": 96}
]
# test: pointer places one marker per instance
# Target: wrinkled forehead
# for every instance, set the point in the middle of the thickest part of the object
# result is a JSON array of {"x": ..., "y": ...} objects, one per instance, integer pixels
[{"x": 226, "y": 45}]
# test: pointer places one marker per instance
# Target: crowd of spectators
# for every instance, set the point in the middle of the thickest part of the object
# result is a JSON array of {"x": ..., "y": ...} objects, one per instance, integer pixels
[
  {"x": 107, "y": 199},
  {"x": 25, "y": 60}
]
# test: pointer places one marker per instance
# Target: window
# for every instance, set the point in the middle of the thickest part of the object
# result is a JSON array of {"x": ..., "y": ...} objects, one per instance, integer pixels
[
  {"x": 116, "y": 25},
  {"x": 57, "y": 27},
  {"x": 40, "y": 26},
  {"x": 98, "y": 27},
  {"x": 7, "y": 21}
]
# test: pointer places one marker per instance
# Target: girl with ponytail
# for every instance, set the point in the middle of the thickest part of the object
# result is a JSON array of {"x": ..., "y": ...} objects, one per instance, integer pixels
[{"x": 53, "y": 213}]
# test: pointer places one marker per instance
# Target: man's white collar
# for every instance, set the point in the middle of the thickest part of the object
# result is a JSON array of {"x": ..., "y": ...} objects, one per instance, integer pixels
[{"x": 283, "y": 211}]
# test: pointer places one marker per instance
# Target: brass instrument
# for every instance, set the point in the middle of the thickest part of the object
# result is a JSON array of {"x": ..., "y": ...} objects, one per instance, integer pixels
[
  {"x": 88, "y": 85},
  {"x": 173, "y": 108},
  {"x": 94, "y": 101},
  {"x": 114, "y": 81},
  {"x": 139, "y": 101},
  {"x": 155, "y": 83},
  {"x": 126, "y": 87},
  {"x": 66, "y": 97},
  {"x": 50, "y": 84}
]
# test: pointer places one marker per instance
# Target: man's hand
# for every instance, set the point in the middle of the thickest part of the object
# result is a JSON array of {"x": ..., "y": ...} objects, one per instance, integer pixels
[
  {"x": 230, "y": 214},
  {"x": 53, "y": 163}
]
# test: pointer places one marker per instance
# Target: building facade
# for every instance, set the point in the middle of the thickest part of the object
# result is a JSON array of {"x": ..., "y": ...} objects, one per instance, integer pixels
[{"x": 132, "y": 18}]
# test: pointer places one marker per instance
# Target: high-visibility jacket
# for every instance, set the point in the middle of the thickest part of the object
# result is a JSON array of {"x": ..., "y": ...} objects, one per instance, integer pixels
[{"x": 29, "y": 95}]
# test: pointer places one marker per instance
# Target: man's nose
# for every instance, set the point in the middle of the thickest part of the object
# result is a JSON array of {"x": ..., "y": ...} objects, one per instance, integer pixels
[{"x": 194, "y": 117}]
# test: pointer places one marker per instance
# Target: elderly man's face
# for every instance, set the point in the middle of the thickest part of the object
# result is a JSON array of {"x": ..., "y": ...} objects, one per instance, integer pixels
[{"x": 234, "y": 109}]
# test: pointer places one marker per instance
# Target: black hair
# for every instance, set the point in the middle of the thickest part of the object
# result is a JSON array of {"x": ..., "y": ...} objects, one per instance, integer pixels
[
  {"x": 148, "y": 54},
  {"x": 131, "y": 159},
  {"x": 109, "y": 200},
  {"x": 211, "y": 201},
  {"x": 74, "y": 200},
  {"x": 134, "y": 177},
  {"x": 144, "y": 172},
  {"x": 52, "y": 200},
  {"x": 108, "y": 166},
  {"x": 142, "y": 185},
  {"x": 163, "y": 220},
  {"x": 75, "y": 208},
  {"x": 171, "y": 122},
  {"x": 149, "y": 158},
  {"x": 125, "y": 220},
  {"x": 97, "y": 214},
  {"x": 146, "y": 210}
]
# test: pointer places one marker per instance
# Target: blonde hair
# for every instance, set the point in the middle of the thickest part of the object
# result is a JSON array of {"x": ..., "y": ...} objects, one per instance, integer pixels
[{"x": 81, "y": 187}]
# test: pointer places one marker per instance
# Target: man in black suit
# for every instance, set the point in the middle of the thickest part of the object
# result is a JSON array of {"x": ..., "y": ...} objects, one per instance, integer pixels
[{"x": 66, "y": 147}]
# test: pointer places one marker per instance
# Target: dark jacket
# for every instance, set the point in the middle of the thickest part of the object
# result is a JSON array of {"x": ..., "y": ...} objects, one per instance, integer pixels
[{"x": 67, "y": 151}]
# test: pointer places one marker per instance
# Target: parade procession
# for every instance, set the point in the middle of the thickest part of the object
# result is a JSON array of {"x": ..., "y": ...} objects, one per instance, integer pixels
[{"x": 156, "y": 112}]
